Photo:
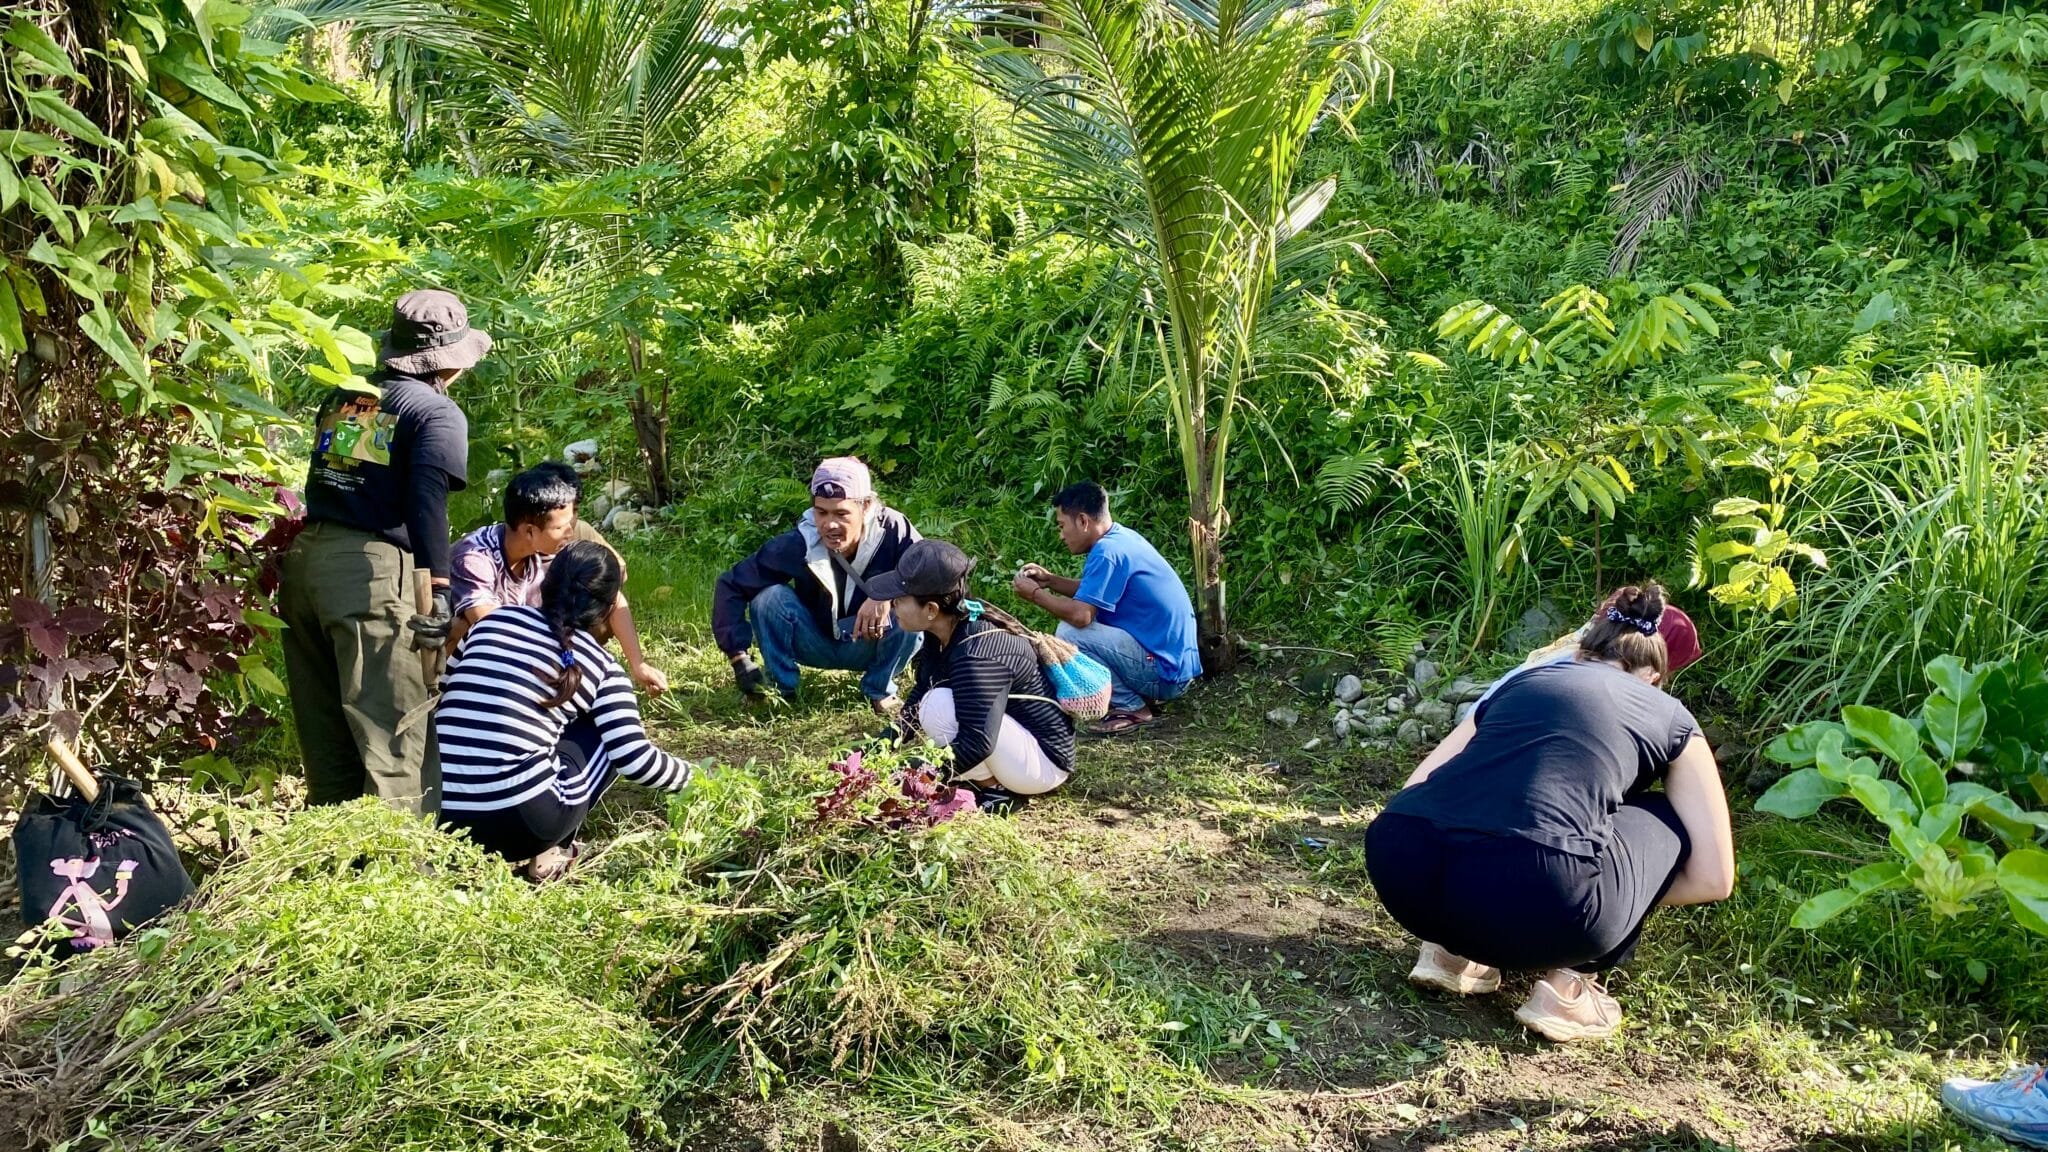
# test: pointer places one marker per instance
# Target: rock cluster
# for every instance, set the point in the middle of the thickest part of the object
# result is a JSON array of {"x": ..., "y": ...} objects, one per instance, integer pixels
[
  {"x": 615, "y": 505},
  {"x": 1423, "y": 708}
]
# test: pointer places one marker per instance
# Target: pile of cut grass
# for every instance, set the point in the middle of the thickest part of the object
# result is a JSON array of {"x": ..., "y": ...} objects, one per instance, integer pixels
[{"x": 361, "y": 981}]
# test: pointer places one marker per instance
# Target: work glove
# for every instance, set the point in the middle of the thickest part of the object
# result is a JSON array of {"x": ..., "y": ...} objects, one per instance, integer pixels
[
  {"x": 752, "y": 681},
  {"x": 430, "y": 630}
]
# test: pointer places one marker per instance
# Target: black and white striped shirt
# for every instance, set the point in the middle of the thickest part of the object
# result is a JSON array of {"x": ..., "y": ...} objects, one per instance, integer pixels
[{"x": 498, "y": 742}]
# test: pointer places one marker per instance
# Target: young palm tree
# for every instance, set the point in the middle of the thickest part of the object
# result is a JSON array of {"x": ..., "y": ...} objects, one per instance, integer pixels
[
  {"x": 572, "y": 88},
  {"x": 1171, "y": 131}
]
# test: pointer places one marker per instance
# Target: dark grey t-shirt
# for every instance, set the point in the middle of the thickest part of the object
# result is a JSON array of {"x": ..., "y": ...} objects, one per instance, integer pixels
[{"x": 1553, "y": 754}]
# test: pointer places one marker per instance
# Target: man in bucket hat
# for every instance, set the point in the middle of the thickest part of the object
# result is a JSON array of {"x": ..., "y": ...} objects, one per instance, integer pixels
[
  {"x": 384, "y": 461},
  {"x": 804, "y": 596}
]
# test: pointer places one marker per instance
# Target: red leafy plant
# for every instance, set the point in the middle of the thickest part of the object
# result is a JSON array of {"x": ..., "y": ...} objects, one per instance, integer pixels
[{"x": 919, "y": 798}]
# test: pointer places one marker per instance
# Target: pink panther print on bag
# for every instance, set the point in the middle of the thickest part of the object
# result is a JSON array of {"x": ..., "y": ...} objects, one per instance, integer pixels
[{"x": 92, "y": 926}]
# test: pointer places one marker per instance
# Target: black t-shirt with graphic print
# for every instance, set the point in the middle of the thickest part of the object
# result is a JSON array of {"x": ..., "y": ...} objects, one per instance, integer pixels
[{"x": 385, "y": 464}]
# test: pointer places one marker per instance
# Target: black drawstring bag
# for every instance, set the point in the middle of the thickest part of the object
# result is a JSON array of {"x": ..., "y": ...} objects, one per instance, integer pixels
[{"x": 102, "y": 868}]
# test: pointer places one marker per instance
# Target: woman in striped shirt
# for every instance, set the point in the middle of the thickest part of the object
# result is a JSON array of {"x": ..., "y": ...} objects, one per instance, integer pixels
[{"x": 536, "y": 719}]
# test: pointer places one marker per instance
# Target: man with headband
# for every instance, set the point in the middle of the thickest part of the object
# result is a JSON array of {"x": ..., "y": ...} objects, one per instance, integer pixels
[{"x": 803, "y": 597}]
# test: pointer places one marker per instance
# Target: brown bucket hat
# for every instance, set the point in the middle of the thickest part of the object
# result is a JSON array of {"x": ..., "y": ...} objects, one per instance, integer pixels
[{"x": 430, "y": 332}]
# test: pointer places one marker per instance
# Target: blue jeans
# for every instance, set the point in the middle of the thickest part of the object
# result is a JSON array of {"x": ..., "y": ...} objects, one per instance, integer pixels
[
  {"x": 789, "y": 638},
  {"x": 1133, "y": 672}
]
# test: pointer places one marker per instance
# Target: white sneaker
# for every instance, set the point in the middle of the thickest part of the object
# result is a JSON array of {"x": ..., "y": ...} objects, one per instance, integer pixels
[
  {"x": 1588, "y": 1013},
  {"x": 1438, "y": 969}
]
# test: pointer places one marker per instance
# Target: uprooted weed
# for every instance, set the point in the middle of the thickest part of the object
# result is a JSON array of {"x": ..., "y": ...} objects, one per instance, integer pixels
[{"x": 359, "y": 980}]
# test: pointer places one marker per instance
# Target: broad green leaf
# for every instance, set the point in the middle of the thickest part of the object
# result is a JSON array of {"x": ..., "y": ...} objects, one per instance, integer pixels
[
  {"x": 1888, "y": 733},
  {"x": 1998, "y": 812},
  {"x": 1954, "y": 680},
  {"x": 1925, "y": 779},
  {"x": 2023, "y": 877},
  {"x": 10, "y": 185},
  {"x": 1941, "y": 823},
  {"x": 1884, "y": 799},
  {"x": 29, "y": 36},
  {"x": 1834, "y": 763},
  {"x": 1877, "y": 877},
  {"x": 21, "y": 144},
  {"x": 1881, "y": 309},
  {"x": 1798, "y": 747},
  {"x": 1799, "y": 794},
  {"x": 1825, "y": 907},
  {"x": 196, "y": 76},
  {"x": 12, "y": 339},
  {"x": 1955, "y": 727},
  {"x": 49, "y": 106},
  {"x": 104, "y": 329}
]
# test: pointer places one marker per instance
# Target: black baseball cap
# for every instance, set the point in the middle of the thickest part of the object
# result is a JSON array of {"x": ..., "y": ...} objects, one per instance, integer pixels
[{"x": 926, "y": 568}]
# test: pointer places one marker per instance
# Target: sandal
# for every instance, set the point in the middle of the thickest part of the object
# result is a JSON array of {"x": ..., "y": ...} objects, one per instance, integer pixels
[
  {"x": 554, "y": 863},
  {"x": 1118, "y": 723}
]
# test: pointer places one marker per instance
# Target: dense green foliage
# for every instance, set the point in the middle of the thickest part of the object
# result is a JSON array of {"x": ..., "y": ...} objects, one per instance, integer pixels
[{"x": 1466, "y": 307}]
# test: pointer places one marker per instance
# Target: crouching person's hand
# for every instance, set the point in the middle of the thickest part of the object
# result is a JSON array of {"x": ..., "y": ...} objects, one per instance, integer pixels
[
  {"x": 430, "y": 628},
  {"x": 748, "y": 676}
]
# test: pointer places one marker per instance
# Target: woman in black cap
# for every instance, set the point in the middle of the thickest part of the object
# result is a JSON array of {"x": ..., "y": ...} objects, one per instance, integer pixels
[{"x": 979, "y": 688}]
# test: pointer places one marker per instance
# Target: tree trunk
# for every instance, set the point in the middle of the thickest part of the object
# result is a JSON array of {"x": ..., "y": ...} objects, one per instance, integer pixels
[
  {"x": 1212, "y": 619},
  {"x": 650, "y": 424},
  {"x": 650, "y": 427}
]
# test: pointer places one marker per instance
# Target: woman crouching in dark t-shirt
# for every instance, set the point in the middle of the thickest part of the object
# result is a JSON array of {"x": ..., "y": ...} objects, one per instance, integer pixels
[
  {"x": 979, "y": 689},
  {"x": 1530, "y": 838}
]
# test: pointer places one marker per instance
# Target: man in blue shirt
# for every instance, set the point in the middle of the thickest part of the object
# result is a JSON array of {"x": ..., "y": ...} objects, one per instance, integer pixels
[{"x": 1129, "y": 609}]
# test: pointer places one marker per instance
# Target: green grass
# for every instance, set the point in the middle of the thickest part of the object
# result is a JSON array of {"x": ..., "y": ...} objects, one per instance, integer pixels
[
  {"x": 1288, "y": 976},
  {"x": 1180, "y": 950}
]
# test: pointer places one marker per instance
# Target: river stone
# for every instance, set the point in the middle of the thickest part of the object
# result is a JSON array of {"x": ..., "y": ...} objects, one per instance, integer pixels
[
  {"x": 1537, "y": 627},
  {"x": 1396, "y": 705},
  {"x": 1464, "y": 690},
  {"x": 1376, "y": 725},
  {"x": 1411, "y": 732},
  {"x": 1436, "y": 713},
  {"x": 624, "y": 520},
  {"x": 1284, "y": 717},
  {"x": 1349, "y": 689},
  {"x": 617, "y": 491},
  {"x": 1426, "y": 673},
  {"x": 1341, "y": 726},
  {"x": 1465, "y": 710}
]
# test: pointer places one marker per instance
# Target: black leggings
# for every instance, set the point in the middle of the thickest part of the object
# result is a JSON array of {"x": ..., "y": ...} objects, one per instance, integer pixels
[
  {"x": 542, "y": 821},
  {"x": 1514, "y": 903}
]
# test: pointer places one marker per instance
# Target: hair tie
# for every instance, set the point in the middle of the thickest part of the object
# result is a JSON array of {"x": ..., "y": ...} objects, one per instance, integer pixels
[
  {"x": 568, "y": 658},
  {"x": 1646, "y": 627},
  {"x": 973, "y": 609}
]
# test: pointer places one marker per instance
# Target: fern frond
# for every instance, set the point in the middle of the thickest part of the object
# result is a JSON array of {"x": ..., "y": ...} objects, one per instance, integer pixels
[
  {"x": 1346, "y": 483},
  {"x": 1394, "y": 641}
]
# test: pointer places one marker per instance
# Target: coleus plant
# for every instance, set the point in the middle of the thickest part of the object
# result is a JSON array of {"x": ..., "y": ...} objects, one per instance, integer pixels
[{"x": 1925, "y": 778}]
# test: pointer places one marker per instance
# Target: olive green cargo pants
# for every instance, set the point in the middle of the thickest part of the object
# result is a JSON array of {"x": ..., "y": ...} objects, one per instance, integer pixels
[{"x": 359, "y": 697}]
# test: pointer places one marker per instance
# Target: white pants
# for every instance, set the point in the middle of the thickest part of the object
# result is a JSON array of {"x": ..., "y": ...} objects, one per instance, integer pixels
[{"x": 1018, "y": 763}]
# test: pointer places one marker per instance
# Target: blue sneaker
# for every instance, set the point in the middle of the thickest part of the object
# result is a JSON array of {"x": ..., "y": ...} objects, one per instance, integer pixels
[{"x": 2015, "y": 1108}]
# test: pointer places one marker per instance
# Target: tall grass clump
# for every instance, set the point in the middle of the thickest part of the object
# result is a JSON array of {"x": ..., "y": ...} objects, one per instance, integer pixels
[
  {"x": 1939, "y": 546},
  {"x": 362, "y": 981}
]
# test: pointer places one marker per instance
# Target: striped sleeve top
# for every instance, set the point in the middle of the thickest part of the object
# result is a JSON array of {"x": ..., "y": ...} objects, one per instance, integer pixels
[{"x": 498, "y": 741}]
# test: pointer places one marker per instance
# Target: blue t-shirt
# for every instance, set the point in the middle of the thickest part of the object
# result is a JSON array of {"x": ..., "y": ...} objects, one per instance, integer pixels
[{"x": 1132, "y": 587}]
